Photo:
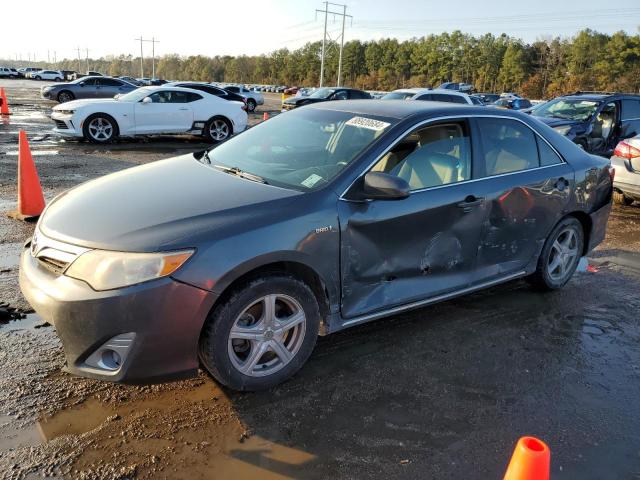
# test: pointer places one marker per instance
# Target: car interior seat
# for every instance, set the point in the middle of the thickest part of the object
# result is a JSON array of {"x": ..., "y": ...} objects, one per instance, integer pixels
[
  {"x": 431, "y": 164},
  {"x": 505, "y": 157}
]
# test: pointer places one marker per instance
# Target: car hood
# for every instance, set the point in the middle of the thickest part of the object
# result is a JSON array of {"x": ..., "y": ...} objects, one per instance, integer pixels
[
  {"x": 74, "y": 104},
  {"x": 556, "y": 122},
  {"x": 168, "y": 204}
]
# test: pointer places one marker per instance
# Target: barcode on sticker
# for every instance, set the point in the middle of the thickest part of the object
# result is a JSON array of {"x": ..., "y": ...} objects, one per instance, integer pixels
[{"x": 369, "y": 123}]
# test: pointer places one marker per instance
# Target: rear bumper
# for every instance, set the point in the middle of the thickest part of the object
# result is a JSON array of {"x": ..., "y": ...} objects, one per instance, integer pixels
[
  {"x": 161, "y": 321},
  {"x": 599, "y": 220},
  {"x": 625, "y": 180}
]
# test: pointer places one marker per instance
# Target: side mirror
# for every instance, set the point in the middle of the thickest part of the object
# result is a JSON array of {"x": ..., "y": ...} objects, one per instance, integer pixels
[
  {"x": 118, "y": 96},
  {"x": 382, "y": 186},
  {"x": 146, "y": 100}
]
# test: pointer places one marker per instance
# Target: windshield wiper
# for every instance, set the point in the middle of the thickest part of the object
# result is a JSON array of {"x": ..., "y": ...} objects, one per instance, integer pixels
[{"x": 240, "y": 173}]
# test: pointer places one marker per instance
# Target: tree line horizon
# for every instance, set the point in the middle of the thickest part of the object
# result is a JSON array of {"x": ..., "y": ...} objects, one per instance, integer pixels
[{"x": 542, "y": 69}]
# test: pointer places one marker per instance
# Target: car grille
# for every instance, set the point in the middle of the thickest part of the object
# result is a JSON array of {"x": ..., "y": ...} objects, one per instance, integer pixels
[
  {"x": 53, "y": 255},
  {"x": 54, "y": 265},
  {"x": 60, "y": 124}
]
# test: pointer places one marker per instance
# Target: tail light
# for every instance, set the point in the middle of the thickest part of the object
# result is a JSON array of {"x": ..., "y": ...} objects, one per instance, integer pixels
[
  {"x": 624, "y": 150},
  {"x": 244, "y": 106}
]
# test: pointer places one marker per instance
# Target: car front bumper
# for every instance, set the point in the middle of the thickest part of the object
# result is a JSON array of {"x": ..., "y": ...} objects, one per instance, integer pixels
[
  {"x": 154, "y": 326},
  {"x": 66, "y": 125}
]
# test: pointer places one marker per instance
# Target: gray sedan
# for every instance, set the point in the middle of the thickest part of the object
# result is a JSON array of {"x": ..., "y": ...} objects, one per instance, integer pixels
[
  {"x": 332, "y": 215},
  {"x": 87, "y": 87}
]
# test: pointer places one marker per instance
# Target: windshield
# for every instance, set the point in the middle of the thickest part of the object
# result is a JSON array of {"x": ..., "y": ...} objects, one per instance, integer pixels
[
  {"x": 322, "y": 93},
  {"x": 397, "y": 96},
  {"x": 567, "y": 109},
  {"x": 135, "y": 95},
  {"x": 302, "y": 149}
]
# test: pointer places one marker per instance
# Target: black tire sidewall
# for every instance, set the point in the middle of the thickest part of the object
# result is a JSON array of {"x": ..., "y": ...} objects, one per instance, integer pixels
[
  {"x": 251, "y": 102},
  {"x": 214, "y": 341},
  {"x": 87, "y": 121},
  {"x": 543, "y": 272}
]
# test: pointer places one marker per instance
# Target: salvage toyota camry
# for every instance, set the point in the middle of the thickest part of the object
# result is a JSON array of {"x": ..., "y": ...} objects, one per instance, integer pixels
[{"x": 325, "y": 217}]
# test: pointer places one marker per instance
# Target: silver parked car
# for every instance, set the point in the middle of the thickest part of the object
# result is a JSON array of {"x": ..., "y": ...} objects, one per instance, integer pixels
[
  {"x": 253, "y": 98},
  {"x": 87, "y": 87},
  {"x": 626, "y": 162}
]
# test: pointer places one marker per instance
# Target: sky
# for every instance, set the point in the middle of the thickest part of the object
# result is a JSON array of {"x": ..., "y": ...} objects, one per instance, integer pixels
[{"x": 33, "y": 29}]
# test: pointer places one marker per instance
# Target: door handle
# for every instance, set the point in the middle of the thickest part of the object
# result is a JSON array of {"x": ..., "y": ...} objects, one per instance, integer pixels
[
  {"x": 184, "y": 109},
  {"x": 470, "y": 202},
  {"x": 561, "y": 184}
]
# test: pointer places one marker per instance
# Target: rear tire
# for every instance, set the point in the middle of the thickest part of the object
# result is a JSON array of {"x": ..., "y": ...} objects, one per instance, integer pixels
[
  {"x": 560, "y": 256},
  {"x": 217, "y": 129},
  {"x": 251, "y": 105},
  {"x": 262, "y": 334},
  {"x": 100, "y": 128},
  {"x": 38, "y": 77},
  {"x": 621, "y": 199}
]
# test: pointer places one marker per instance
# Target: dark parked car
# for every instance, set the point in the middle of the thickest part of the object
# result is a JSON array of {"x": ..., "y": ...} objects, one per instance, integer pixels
[
  {"x": 330, "y": 216},
  {"x": 69, "y": 75},
  {"x": 513, "y": 103},
  {"x": 207, "y": 87},
  {"x": 595, "y": 121},
  {"x": 324, "y": 95},
  {"x": 87, "y": 87},
  {"x": 487, "y": 98}
]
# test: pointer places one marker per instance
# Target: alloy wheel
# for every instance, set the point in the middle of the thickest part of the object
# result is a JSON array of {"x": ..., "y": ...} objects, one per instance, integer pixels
[
  {"x": 267, "y": 335},
  {"x": 563, "y": 253},
  {"x": 100, "y": 129},
  {"x": 219, "y": 129}
]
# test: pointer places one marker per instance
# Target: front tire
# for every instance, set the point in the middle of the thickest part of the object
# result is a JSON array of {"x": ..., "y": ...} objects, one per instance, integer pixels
[
  {"x": 217, "y": 129},
  {"x": 262, "y": 334},
  {"x": 560, "y": 255},
  {"x": 38, "y": 77},
  {"x": 65, "y": 96},
  {"x": 100, "y": 128},
  {"x": 621, "y": 199}
]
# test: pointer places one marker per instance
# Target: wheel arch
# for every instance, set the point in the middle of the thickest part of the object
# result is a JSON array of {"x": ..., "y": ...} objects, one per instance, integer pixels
[
  {"x": 587, "y": 225},
  {"x": 293, "y": 267}
]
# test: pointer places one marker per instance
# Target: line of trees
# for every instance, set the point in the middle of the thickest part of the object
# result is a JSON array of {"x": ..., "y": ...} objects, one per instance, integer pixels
[{"x": 543, "y": 69}]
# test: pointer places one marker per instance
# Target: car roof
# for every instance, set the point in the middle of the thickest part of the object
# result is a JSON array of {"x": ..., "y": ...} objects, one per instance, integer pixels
[{"x": 400, "y": 109}]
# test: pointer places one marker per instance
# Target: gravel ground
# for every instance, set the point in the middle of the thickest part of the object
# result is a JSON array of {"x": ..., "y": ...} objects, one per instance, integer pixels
[{"x": 442, "y": 392}]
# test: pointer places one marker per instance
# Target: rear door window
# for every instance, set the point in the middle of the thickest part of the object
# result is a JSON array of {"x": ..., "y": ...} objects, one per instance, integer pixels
[
  {"x": 441, "y": 97},
  {"x": 630, "y": 109},
  {"x": 426, "y": 97},
  {"x": 509, "y": 146}
]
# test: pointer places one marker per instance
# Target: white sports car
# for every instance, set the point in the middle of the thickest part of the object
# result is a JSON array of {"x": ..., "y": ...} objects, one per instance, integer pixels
[{"x": 150, "y": 111}]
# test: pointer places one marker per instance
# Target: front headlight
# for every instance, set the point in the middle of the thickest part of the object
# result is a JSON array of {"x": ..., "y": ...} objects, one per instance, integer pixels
[
  {"x": 66, "y": 112},
  {"x": 563, "y": 130},
  {"x": 46, "y": 89},
  {"x": 106, "y": 270}
]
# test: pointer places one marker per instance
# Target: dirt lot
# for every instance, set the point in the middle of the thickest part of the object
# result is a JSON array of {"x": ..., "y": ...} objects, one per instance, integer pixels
[{"x": 442, "y": 392}]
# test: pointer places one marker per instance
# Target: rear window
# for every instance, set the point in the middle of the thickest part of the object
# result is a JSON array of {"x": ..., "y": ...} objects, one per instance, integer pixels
[{"x": 397, "y": 96}]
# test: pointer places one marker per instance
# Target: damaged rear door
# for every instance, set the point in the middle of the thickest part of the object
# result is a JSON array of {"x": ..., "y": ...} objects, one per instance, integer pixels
[
  {"x": 526, "y": 186},
  {"x": 396, "y": 252}
]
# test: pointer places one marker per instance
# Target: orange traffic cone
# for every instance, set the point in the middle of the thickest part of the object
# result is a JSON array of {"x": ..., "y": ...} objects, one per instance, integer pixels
[
  {"x": 531, "y": 460},
  {"x": 265, "y": 116},
  {"x": 4, "y": 105},
  {"x": 30, "y": 197}
]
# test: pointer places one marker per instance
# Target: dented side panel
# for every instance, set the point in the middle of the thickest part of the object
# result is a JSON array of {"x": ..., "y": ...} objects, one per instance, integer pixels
[
  {"x": 521, "y": 211},
  {"x": 394, "y": 252}
]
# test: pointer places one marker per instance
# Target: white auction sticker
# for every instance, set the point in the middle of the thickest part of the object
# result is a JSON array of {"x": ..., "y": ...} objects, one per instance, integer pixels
[
  {"x": 369, "y": 123},
  {"x": 311, "y": 180}
]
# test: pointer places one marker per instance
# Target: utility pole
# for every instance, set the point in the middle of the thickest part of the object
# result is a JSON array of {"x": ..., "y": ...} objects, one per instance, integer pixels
[
  {"x": 153, "y": 55},
  {"x": 87, "y": 50},
  {"x": 324, "y": 38},
  {"x": 141, "y": 56},
  {"x": 79, "y": 66}
]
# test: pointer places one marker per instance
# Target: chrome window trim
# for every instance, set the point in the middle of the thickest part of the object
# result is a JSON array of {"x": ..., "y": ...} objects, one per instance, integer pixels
[{"x": 454, "y": 117}]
